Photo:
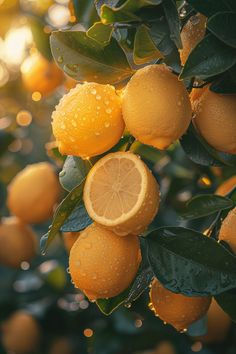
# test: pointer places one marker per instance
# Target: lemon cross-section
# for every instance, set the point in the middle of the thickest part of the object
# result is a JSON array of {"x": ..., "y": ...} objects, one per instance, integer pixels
[{"x": 121, "y": 193}]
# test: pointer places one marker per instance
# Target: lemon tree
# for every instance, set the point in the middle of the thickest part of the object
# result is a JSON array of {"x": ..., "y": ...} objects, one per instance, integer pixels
[{"x": 155, "y": 100}]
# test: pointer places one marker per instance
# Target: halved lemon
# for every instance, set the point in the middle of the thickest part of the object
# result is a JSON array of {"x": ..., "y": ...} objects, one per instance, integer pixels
[{"x": 121, "y": 193}]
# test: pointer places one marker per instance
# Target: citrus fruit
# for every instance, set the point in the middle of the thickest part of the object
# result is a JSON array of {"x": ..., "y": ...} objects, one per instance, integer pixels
[
  {"x": 121, "y": 193},
  {"x": 191, "y": 34},
  {"x": 40, "y": 75},
  {"x": 69, "y": 239},
  {"x": 228, "y": 230},
  {"x": 88, "y": 120},
  {"x": 18, "y": 242},
  {"x": 20, "y": 333},
  {"x": 176, "y": 309},
  {"x": 156, "y": 106},
  {"x": 226, "y": 186},
  {"x": 218, "y": 324},
  {"x": 103, "y": 264},
  {"x": 33, "y": 193},
  {"x": 214, "y": 118}
]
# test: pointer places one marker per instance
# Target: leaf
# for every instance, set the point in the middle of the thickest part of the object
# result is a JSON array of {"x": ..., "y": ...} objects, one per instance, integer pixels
[
  {"x": 172, "y": 17},
  {"x": 210, "y": 57},
  {"x": 62, "y": 212},
  {"x": 227, "y": 302},
  {"x": 78, "y": 220},
  {"x": 206, "y": 204},
  {"x": 160, "y": 35},
  {"x": 85, "y": 12},
  {"x": 110, "y": 16},
  {"x": 201, "y": 153},
  {"x": 100, "y": 33},
  {"x": 187, "y": 262},
  {"x": 223, "y": 26},
  {"x": 41, "y": 38},
  {"x": 208, "y": 7},
  {"x": 143, "y": 278},
  {"x": 226, "y": 83},
  {"x": 74, "y": 171},
  {"x": 107, "y": 306},
  {"x": 84, "y": 59},
  {"x": 144, "y": 47}
]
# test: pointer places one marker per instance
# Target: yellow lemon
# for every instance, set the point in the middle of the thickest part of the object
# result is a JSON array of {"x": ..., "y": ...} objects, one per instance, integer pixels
[
  {"x": 121, "y": 193},
  {"x": 103, "y": 264}
]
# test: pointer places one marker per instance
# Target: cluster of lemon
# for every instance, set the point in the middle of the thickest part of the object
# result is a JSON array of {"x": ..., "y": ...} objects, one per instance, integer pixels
[
  {"x": 120, "y": 193},
  {"x": 32, "y": 195}
]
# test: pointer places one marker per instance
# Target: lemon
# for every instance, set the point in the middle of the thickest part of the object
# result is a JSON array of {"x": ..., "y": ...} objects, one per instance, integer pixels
[
  {"x": 40, "y": 75},
  {"x": 176, "y": 309},
  {"x": 103, "y": 264},
  {"x": 33, "y": 193},
  {"x": 156, "y": 106},
  {"x": 20, "y": 333},
  {"x": 214, "y": 118},
  {"x": 228, "y": 230},
  {"x": 18, "y": 242},
  {"x": 121, "y": 193},
  {"x": 88, "y": 120}
]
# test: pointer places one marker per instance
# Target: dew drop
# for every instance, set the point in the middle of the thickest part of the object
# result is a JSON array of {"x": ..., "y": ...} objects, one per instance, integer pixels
[
  {"x": 107, "y": 124},
  {"x": 93, "y": 91},
  {"x": 98, "y": 97},
  {"x": 108, "y": 110},
  {"x": 60, "y": 59},
  {"x": 97, "y": 133},
  {"x": 62, "y": 173}
]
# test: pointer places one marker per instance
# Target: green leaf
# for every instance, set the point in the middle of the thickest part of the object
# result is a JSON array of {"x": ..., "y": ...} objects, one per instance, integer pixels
[
  {"x": 107, "y": 306},
  {"x": 85, "y": 60},
  {"x": 223, "y": 26},
  {"x": 160, "y": 35},
  {"x": 210, "y": 57},
  {"x": 74, "y": 171},
  {"x": 227, "y": 302},
  {"x": 100, "y": 33},
  {"x": 78, "y": 220},
  {"x": 187, "y": 262},
  {"x": 172, "y": 17},
  {"x": 206, "y": 204},
  {"x": 41, "y": 38},
  {"x": 110, "y": 16},
  {"x": 62, "y": 212},
  {"x": 85, "y": 12},
  {"x": 208, "y": 7},
  {"x": 226, "y": 83},
  {"x": 201, "y": 153},
  {"x": 144, "y": 47},
  {"x": 143, "y": 278}
]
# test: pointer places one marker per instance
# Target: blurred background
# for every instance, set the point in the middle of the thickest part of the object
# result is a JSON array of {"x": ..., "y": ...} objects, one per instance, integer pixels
[{"x": 40, "y": 311}]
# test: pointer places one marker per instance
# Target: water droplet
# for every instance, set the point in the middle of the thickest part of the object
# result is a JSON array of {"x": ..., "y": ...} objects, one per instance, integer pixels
[
  {"x": 60, "y": 59},
  {"x": 128, "y": 305},
  {"x": 62, "y": 173},
  {"x": 97, "y": 133},
  {"x": 73, "y": 122},
  {"x": 108, "y": 110},
  {"x": 98, "y": 97},
  {"x": 107, "y": 124},
  {"x": 63, "y": 126},
  {"x": 93, "y": 91},
  {"x": 107, "y": 102}
]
